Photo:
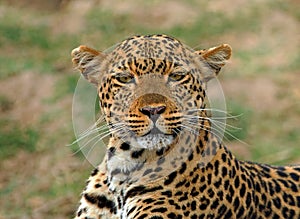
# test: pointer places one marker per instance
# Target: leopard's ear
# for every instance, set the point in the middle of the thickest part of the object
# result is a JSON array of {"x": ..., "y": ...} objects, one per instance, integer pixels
[
  {"x": 88, "y": 61},
  {"x": 215, "y": 58}
]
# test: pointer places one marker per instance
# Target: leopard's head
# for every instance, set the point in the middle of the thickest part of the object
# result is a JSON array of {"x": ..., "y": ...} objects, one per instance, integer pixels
[{"x": 150, "y": 85}]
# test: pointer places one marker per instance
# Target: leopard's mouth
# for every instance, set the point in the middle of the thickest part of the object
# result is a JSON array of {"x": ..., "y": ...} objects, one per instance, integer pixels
[
  {"x": 156, "y": 139},
  {"x": 155, "y": 131}
]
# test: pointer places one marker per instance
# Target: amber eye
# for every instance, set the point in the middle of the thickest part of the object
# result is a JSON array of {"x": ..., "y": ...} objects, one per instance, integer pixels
[
  {"x": 125, "y": 79},
  {"x": 176, "y": 76}
]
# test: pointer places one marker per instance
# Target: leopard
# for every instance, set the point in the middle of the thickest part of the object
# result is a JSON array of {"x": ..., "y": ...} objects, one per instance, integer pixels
[{"x": 164, "y": 159}]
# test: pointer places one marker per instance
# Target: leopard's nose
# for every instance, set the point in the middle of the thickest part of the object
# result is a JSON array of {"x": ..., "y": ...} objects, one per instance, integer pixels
[{"x": 151, "y": 111}]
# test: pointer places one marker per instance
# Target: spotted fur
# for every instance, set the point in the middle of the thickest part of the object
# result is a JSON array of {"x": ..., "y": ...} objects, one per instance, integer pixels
[{"x": 163, "y": 158}]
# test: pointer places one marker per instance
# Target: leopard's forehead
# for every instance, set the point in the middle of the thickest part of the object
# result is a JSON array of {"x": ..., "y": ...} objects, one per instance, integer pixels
[{"x": 157, "y": 47}]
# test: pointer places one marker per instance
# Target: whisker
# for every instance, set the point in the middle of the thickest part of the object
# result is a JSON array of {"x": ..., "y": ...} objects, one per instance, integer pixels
[
  {"x": 209, "y": 129},
  {"x": 213, "y": 121},
  {"x": 90, "y": 133},
  {"x": 100, "y": 120},
  {"x": 215, "y": 110},
  {"x": 98, "y": 140},
  {"x": 207, "y": 109},
  {"x": 213, "y": 130},
  {"x": 91, "y": 130},
  {"x": 189, "y": 129},
  {"x": 218, "y": 117},
  {"x": 89, "y": 141},
  {"x": 226, "y": 124},
  {"x": 218, "y": 132},
  {"x": 100, "y": 136}
]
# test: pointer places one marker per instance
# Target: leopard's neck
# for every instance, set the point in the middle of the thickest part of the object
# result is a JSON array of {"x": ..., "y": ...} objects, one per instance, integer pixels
[{"x": 127, "y": 165}]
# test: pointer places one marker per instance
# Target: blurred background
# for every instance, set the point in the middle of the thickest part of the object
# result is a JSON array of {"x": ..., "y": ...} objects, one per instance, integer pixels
[{"x": 41, "y": 177}]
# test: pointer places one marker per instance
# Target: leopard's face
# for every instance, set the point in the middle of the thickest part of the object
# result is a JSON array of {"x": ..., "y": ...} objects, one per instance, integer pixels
[
  {"x": 150, "y": 86},
  {"x": 148, "y": 99}
]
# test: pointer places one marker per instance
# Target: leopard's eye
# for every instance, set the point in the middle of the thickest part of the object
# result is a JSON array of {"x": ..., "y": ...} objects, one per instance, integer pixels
[
  {"x": 125, "y": 78},
  {"x": 176, "y": 76}
]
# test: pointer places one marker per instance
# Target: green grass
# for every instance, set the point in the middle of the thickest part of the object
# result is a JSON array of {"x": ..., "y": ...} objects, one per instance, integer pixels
[
  {"x": 288, "y": 7},
  {"x": 114, "y": 27},
  {"x": 14, "y": 139},
  {"x": 274, "y": 138},
  {"x": 5, "y": 104},
  {"x": 213, "y": 24},
  {"x": 104, "y": 28},
  {"x": 32, "y": 41},
  {"x": 13, "y": 32},
  {"x": 294, "y": 63},
  {"x": 65, "y": 86},
  {"x": 27, "y": 47}
]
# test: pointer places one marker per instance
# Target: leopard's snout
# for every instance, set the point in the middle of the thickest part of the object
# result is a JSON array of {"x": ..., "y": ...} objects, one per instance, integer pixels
[{"x": 153, "y": 112}]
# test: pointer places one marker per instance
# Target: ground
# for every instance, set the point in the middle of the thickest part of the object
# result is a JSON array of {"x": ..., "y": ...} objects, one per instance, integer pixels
[{"x": 41, "y": 177}]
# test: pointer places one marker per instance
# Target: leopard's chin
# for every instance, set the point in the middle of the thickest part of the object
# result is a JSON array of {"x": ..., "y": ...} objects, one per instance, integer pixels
[{"x": 154, "y": 141}]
